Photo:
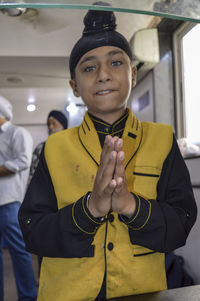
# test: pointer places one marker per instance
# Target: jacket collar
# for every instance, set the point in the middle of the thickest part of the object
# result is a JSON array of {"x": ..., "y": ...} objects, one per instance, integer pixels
[
  {"x": 132, "y": 136},
  {"x": 105, "y": 128}
]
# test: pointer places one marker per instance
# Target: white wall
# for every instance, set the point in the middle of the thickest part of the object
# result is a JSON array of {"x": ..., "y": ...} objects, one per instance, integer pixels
[
  {"x": 159, "y": 83},
  {"x": 38, "y": 133},
  {"x": 142, "y": 99}
]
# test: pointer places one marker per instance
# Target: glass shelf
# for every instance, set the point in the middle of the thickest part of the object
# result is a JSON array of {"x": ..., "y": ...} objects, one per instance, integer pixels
[{"x": 188, "y": 10}]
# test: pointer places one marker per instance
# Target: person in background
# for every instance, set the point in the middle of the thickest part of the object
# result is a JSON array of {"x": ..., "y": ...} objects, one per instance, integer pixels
[
  {"x": 15, "y": 159},
  {"x": 111, "y": 196},
  {"x": 56, "y": 121}
]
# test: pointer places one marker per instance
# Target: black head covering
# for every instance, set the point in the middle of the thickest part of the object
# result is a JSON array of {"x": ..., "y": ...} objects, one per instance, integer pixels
[
  {"x": 58, "y": 115},
  {"x": 99, "y": 31}
]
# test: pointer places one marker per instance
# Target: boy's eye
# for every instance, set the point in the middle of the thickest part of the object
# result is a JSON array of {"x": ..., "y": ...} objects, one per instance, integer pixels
[
  {"x": 89, "y": 68},
  {"x": 116, "y": 63}
]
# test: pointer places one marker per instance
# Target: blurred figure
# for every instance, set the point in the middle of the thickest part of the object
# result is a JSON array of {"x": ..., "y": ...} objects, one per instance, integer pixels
[
  {"x": 56, "y": 121},
  {"x": 15, "y": 158}
]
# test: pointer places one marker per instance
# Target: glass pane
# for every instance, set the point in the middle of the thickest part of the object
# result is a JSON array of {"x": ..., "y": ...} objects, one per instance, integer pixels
[
  {"x": 191, "y": 67},
  {"x": 178, "y": 9}
]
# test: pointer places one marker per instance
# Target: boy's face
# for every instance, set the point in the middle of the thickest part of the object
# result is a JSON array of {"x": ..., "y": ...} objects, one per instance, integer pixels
[
  {"x": 104, "y": 79},
  {"x": 54, "y": 125}
]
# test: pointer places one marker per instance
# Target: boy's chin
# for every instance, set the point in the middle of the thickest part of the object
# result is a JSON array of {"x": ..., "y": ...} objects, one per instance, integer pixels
[{"x": 54, "y": 131}]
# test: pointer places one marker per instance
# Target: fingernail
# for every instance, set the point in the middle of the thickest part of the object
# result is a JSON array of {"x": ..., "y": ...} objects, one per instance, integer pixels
[
  {"x": 110, "y": 143},
  {"x": 119, "y": 142},
  {"x": 122, "y": 156},
  {"x": 112, "y": 155}
]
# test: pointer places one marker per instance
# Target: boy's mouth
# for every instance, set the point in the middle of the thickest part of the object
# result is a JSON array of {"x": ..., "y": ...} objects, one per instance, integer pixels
[{"x": 104, "y": 92}]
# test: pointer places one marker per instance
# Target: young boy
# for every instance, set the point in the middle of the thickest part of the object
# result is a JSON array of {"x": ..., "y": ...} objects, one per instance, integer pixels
[{"x": 111, "y": 196}]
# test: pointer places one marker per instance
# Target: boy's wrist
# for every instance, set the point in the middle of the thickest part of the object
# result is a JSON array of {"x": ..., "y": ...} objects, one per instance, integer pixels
[
  {"x": 92, "y": 210},
  {"x": 129, "y": 210}
]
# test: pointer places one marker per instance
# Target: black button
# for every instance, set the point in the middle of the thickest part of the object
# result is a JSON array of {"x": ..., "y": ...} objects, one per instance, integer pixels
[
  {"x": 110, "y": 246},
  {"x": 111, "y": 218}
]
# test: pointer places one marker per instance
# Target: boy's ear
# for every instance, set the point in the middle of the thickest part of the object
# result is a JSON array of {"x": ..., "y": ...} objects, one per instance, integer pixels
[
  {"x": 73, "y": 85},
  {"x": 134, "y": 76}
]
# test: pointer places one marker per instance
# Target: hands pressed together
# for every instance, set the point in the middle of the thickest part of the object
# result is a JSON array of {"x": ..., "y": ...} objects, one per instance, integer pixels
[{"x": 110, "y": 191}]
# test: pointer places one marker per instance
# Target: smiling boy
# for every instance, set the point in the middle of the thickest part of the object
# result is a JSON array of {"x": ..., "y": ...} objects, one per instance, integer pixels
[
  {"x": 104, "y": 79},
  {"x": 111, "y": 196}
]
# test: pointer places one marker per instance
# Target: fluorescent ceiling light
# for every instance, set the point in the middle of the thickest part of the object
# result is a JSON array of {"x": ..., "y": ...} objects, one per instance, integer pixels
[{"x": 31, "y": 107}]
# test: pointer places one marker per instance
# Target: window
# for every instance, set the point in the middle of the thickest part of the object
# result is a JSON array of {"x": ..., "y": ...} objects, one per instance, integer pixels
[{"x": 187, "y": 62}]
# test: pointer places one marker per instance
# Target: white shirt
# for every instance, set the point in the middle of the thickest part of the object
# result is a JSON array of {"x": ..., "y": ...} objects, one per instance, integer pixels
[{"x": 16, "y": 147}]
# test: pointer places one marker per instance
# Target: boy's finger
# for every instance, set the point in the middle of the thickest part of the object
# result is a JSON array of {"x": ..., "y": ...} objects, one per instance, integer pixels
[
  {"x": 105, "y": 173},
  {"x": 109, "y": 168},
  {"x": 107, "y": 148},
  {"x": 110, "y": 187},
  {"x": 106, "y": 152},
  {"x": 119, "y": 145},
  {"x": 119, "y": 184},
  {"x": 109, "y": 143},
  {"x": 119, "y": 168},
  {"x": 106, "y": 144}
]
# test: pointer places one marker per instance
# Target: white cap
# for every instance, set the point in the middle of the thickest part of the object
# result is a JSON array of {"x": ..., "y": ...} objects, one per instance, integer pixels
[{"x": 5, "y": 108}]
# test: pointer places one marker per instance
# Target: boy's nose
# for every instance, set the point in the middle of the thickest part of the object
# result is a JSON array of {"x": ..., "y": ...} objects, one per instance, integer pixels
[
  {"x": 104, "y": 80},
  {"x": 104, "y": 75},
  {"x": 51, "y": 126}
]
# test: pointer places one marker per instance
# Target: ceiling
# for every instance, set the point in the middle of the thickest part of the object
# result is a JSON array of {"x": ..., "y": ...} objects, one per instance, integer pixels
[{"x": 34, "y": 55}]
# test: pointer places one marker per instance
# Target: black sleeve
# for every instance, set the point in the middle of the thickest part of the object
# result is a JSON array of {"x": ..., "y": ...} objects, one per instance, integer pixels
[
  {"x": 50, "y": 232},
  {"x": 164, "y": 224}
]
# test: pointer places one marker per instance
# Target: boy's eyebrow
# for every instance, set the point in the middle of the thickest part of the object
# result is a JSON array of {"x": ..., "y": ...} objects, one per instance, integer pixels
[
  {"x": 89, "y": 58},
  {"x": 114, "y": 52},
  {"x": 94, "y": 57}
]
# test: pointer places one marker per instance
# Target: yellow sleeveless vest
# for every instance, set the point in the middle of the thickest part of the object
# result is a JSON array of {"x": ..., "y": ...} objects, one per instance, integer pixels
[{"x": 72, "y": 156}]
